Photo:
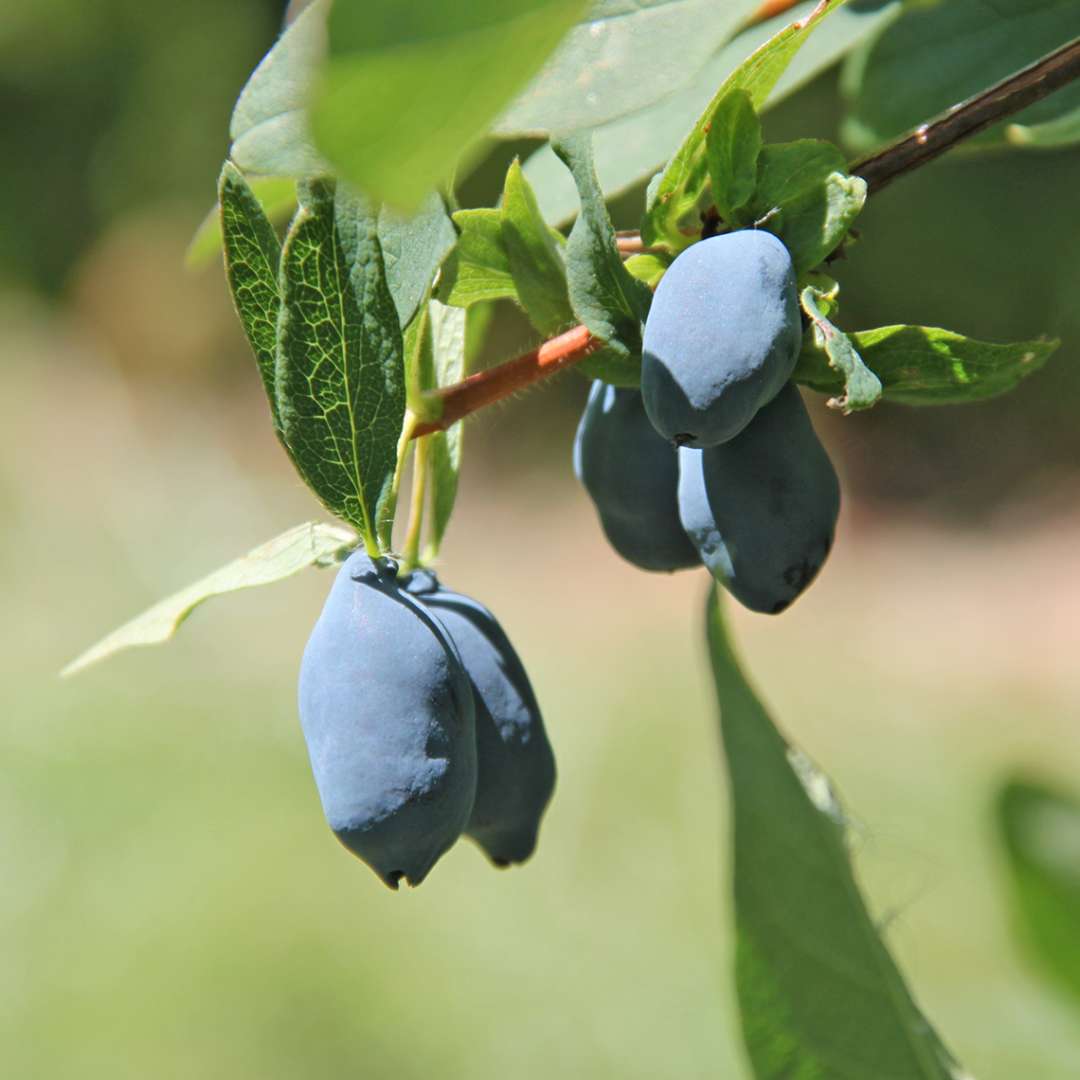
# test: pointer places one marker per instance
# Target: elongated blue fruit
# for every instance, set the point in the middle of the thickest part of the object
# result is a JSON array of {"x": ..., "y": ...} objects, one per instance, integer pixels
[
  {"x": 515, "y": 765},
  {"x": 632, "y": 476},
  {"x": 387, "y": 713},
  {"x": 721, "y": 339},
  {"x": 762, "y": 508}
]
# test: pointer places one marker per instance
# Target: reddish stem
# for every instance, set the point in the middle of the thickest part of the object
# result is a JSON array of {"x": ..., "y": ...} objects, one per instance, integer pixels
[
  {"x": 769, "y": 9},
  {"x": 494, "y": 384}
]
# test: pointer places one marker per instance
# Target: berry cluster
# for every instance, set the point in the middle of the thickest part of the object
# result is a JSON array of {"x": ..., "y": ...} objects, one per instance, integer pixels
[
  {"x": 421, "y": 724},
  {"x": 715, "y": 461}
]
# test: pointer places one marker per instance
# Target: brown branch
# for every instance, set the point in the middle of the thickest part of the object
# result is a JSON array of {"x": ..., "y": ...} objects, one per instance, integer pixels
[
  {"x": 986, "y": 108},
  {"x": 925, "y": 143}
]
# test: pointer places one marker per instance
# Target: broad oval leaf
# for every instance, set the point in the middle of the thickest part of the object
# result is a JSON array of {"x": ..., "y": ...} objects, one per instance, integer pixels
[
  {"x": 310, "y": 544},
  {"x": 340, "y": 373},
  {"x": 408, "y": 87},
  {"x": 632, "y": 148},
  {"x": 937, "y": 56},
  {"x": 819, "y": 994},
  {"x": 269, "y": 128},
  {"x": 623, "y": 56}
]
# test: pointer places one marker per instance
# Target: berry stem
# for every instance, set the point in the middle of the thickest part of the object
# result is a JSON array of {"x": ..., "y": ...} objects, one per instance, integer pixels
[{"x": 879, "y": 169}]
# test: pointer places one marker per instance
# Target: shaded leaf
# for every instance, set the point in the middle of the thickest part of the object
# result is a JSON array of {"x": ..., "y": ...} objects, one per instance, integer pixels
[
  {"x": 305, "y": 545},
  {"x": 605, "y": 296},
  {"x": 732, "y": 144},
  {"x": 630, "y": 149},
  {"x": 819, "y": 995},
  {"x": 406, "y": 88},
  {"x": 620, "y": 58},
  {"x": 935, "y": 56},
  {"x": 413, "y": 249},
  {"x": 269, "y": 127},
  {"x": 340, "y": 375},
  {"x": 684, "y": 177},
  {"x": 536, "y": 263},
  {"x": 925, "y": 365},
  {"x": 862, "y": 388},
  {"x": 1049, "y": 135},
  {"x": 448, "y": 333},
  {"x": 1040, "y": 830},
  {"x": 252, "y": 255},
  {"x": 479, "y": 267}
]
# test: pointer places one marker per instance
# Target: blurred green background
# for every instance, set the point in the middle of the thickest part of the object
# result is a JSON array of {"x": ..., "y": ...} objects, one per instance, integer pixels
[{"x": 171, "y": 903}]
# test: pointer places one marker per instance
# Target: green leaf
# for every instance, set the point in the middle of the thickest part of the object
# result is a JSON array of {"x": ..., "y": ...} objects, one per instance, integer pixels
[
  {"x": 630, "y": 149},
  {"x": 862, "y": 388},
  {"x": 536, "y": 263},
  {"x": 277, "y": 197},
  {"x": 685, "y": 175},
  {"x": 252, "y": 256},
  {"x": 1050, "y": 135},
  {"x": 819, "y": 994},
  {"x": 649, "y": 266},
  {"x": 305, "y": 545},
  {"x": 605, "y": 296},
  {"x": 408, "y": 87},
  {"x": 1040, "y": 828},
  {"x": 479, "y": 267},
  {"x": 413, "y": 249},
  {"x": 816, "y": 222},
  {"x": 623, "y": 56},
  {"x": 340, "y": 374},
  {"x": 924, "y": 365},
  {"x": 936, "y": 56},
  {"x": 448, "y": 331},
  {"x": 269, "y": 126},
  {"x": 732, "y": 145}
]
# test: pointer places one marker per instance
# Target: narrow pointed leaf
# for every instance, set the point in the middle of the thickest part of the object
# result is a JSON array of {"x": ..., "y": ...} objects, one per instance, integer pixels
[
  {"x": 630, "y": 149},
  {"x": 536, "y": 263},
  {"x": 684, "y": 178},
  {"x": 275, "y": 194},
  {"x": 479, "y": 267},
  {"x": 605, "y": 296},
  {"x": 311, "y": 544},
  {"x": 732, "y": 145},
  {"x": 340, "y": 375},
  {"x": 413, "y": 249},
  {"x": 448, "y": 333},
  {"x": 819, "y": 994},
  {"x": 252, "y": 256},
  {"x": 925, "y": 365}
]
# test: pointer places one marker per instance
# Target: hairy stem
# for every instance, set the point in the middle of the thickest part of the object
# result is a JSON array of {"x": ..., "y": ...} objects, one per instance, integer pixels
[{"x": 879, "y": 169}]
